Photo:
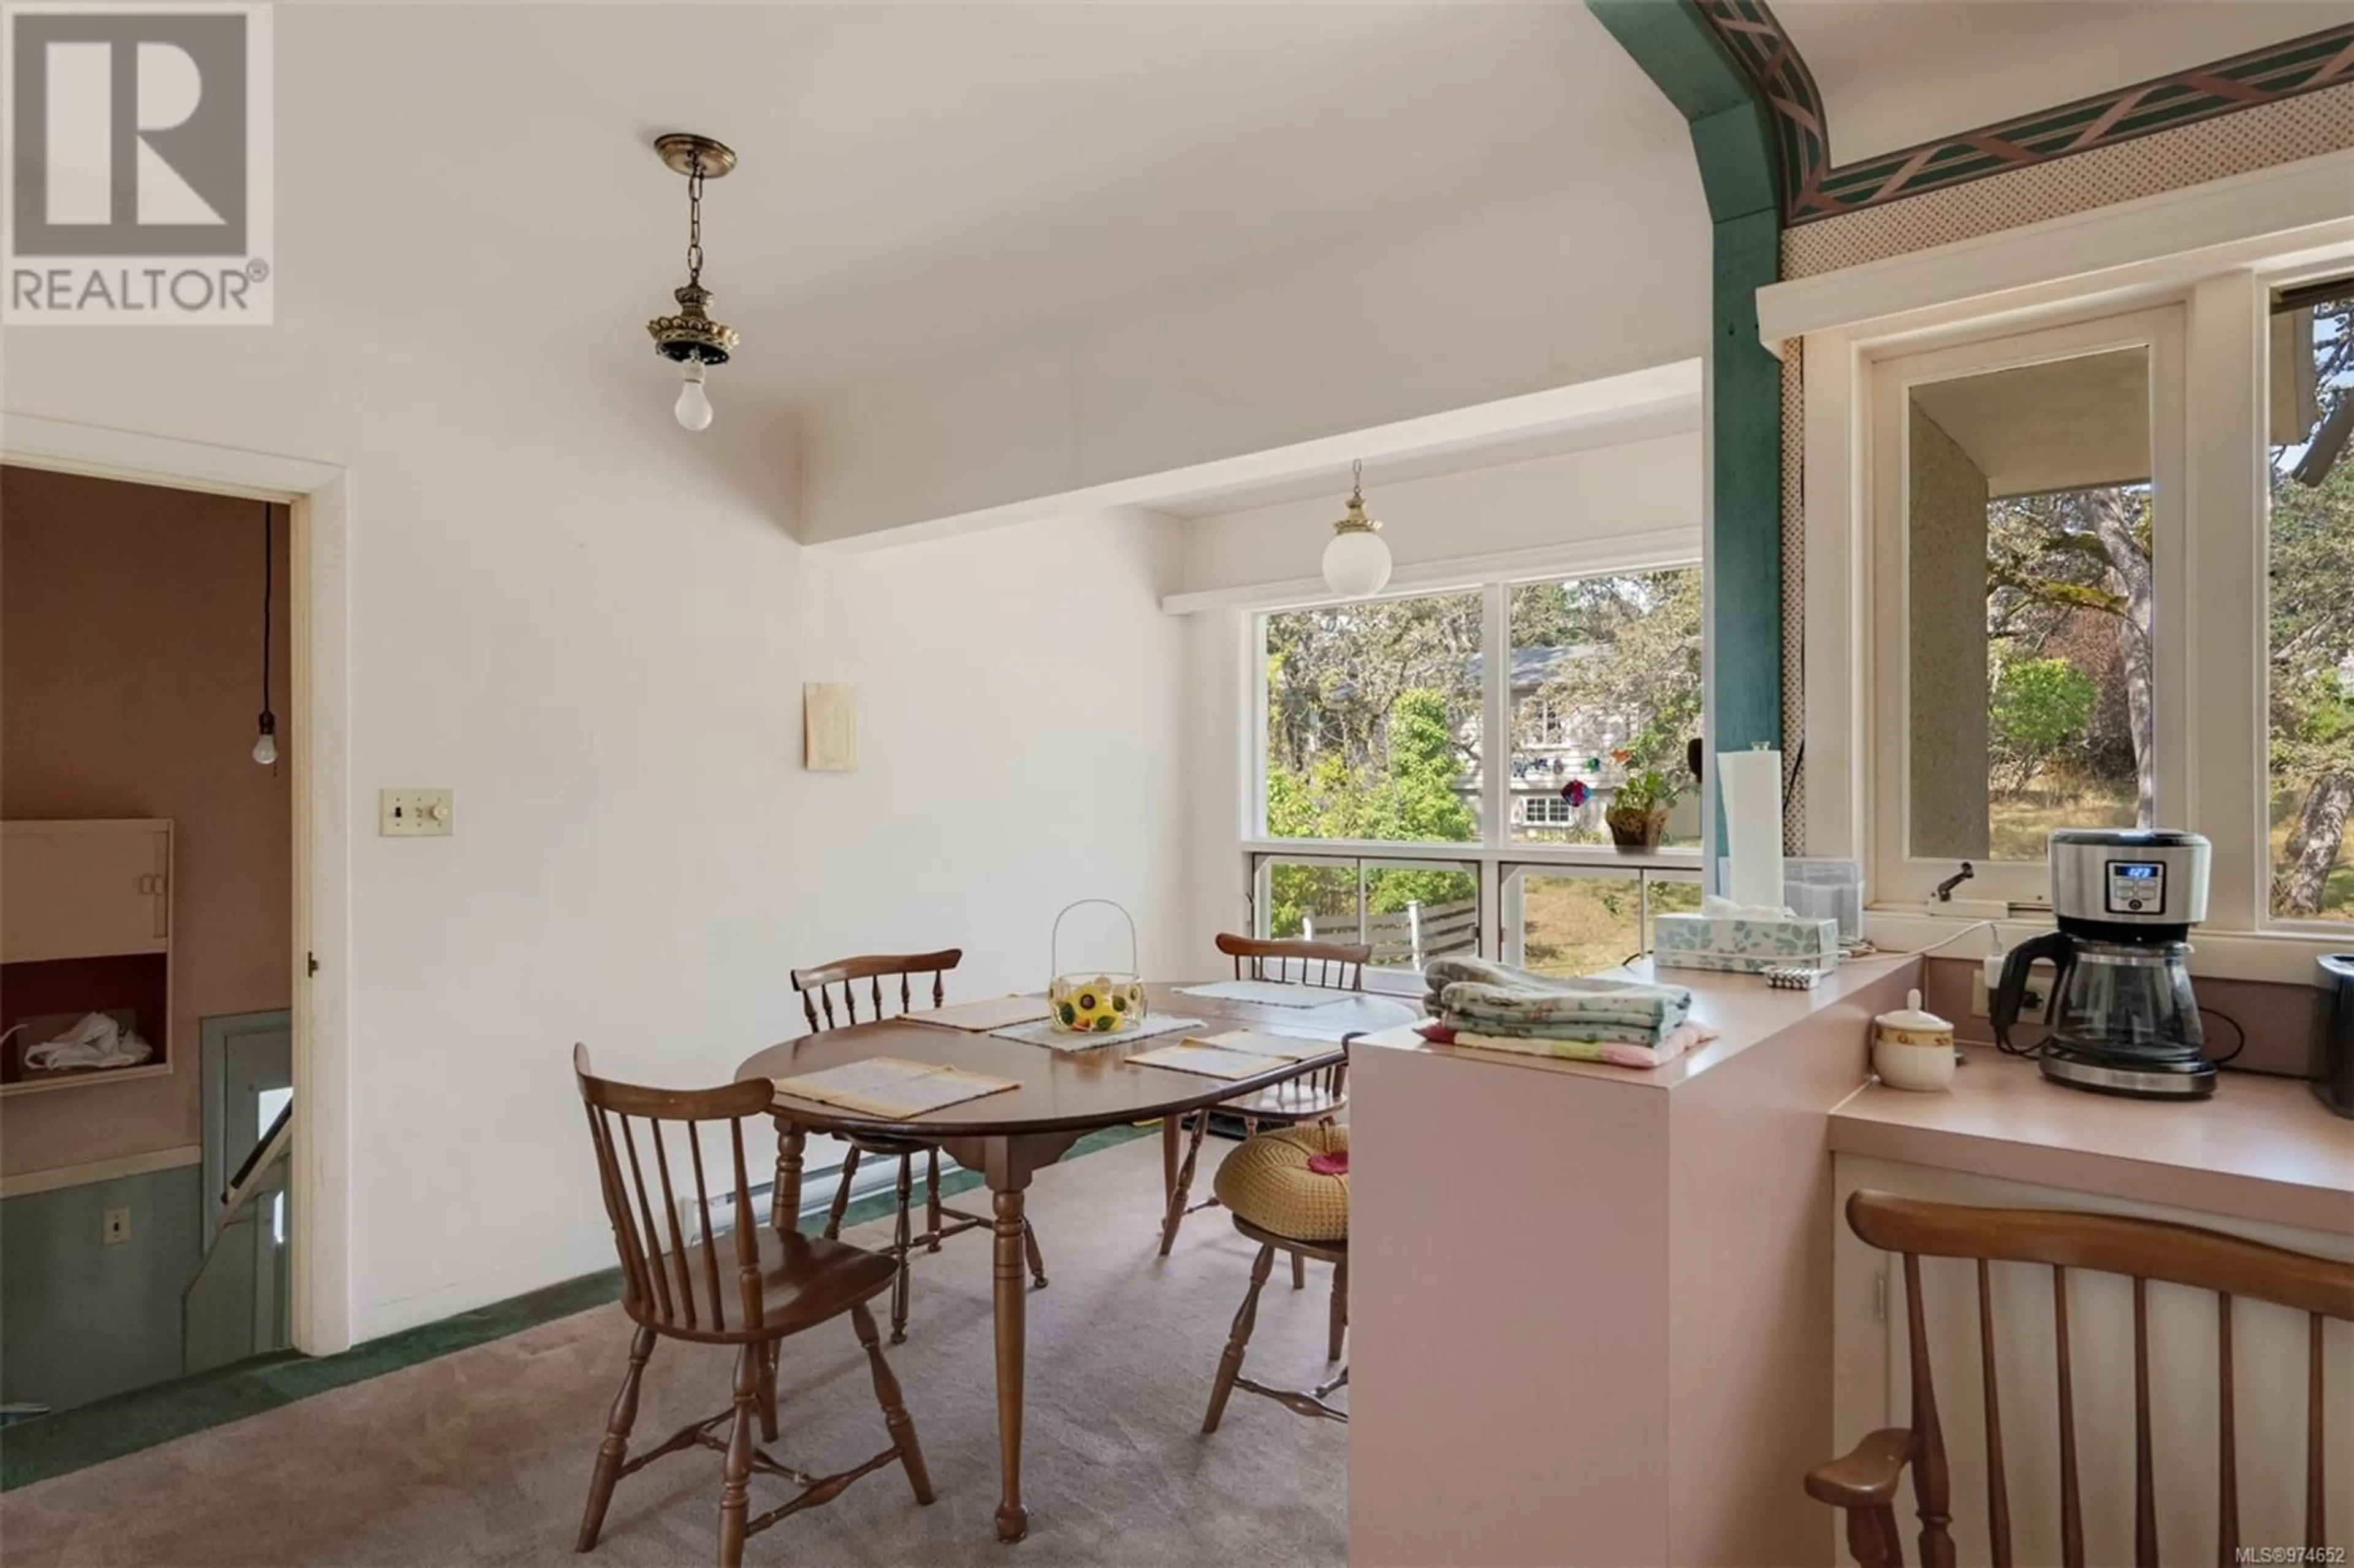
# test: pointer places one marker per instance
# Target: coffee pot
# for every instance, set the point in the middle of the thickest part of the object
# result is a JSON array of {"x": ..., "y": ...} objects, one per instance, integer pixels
[{"x": 2123, "y": 1018}]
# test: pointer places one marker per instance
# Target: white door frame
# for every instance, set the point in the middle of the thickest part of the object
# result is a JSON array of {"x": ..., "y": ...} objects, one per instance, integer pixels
[{"x": 318, "y": 495}]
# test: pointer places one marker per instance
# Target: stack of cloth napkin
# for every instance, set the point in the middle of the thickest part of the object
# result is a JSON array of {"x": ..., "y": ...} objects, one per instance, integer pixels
[{"x": 1498, "y": 1008}]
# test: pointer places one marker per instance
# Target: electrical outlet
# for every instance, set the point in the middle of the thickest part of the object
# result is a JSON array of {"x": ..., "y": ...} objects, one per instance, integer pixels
[
  {"x": 2030, "y": 998},
  {"x": 415, "y": 813},
  {"x": 115, "y": 1228}
]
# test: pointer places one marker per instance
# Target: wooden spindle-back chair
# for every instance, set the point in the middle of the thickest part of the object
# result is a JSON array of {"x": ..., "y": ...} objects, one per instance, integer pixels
[
  {"x": 684, "y": 1276},
  {"x": 1318, "y": 1095},
  {"x": 833, "y": 991},
  {"x": 1864, "y": 1482}
]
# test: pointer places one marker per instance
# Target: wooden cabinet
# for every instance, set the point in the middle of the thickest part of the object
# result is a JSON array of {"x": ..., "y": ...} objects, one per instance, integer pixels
[
  {"x": 84, "y": 889},
  {"x": 85, "y": 927}
]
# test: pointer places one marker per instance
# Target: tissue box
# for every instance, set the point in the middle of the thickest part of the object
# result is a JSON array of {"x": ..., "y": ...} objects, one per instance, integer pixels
[{"x": 1741, "y": 943}]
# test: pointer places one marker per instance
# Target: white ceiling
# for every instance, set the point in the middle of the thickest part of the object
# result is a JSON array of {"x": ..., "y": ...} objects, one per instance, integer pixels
[
  {"x": 2065, "y": 424},
  {"x": 1895, "y": 72},
  {"x": 917, "y": 180}
]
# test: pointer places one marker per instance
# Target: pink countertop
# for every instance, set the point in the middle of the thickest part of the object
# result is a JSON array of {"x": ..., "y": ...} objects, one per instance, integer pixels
[
  {"x": 2262, "y": 1149},
  {"x": 1743, "y": 1009}
]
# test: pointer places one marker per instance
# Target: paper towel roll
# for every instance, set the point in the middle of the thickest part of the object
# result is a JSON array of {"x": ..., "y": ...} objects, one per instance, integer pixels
[{"x": 1752, "y": 782}]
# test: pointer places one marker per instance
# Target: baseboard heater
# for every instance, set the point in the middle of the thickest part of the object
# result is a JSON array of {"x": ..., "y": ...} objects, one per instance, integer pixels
[{"x": 818, "y": 1188}]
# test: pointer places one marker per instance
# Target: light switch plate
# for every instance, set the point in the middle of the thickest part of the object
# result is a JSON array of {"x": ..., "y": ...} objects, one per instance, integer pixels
[
  {"x": 115, "y": 1228},
  {"x": 415, "y": 813}
]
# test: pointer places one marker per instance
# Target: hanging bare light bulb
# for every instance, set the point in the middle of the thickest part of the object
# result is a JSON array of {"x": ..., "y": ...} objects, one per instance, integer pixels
[
  {"x": 691, "y": 339},
  {"x": 265, "y": 742},
  {"x": 1356, "y": 562}
]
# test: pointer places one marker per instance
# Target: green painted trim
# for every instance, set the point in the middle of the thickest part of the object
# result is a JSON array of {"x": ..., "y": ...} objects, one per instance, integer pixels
[
  {"x": 92, "y": 1433},
  {"x": 1732, "y": 141},
  {"x": 1745, "y": 520}
]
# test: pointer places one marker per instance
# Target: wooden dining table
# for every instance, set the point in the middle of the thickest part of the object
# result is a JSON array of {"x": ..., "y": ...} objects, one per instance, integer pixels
[{"x": 1007, "y": 1136}]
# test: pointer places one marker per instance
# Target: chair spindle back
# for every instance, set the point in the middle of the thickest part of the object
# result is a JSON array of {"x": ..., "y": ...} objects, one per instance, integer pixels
[
  {"x": 819, "y": 986},
  {"x": 1330, "y": 966},
  {"x": 673, "y": 1276},
  {"x": 2143, "y": 1250}
]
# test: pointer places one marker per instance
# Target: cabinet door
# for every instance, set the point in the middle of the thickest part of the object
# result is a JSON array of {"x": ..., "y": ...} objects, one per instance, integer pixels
[{"x": 70, "y": 890}]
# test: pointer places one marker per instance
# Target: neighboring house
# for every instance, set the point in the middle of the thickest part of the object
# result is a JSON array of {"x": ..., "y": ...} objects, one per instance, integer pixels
[{"x": 1551, "y": 746}]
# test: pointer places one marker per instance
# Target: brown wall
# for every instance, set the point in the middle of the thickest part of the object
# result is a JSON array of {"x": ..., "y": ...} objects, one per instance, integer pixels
[{"x": 130, "y": 679}]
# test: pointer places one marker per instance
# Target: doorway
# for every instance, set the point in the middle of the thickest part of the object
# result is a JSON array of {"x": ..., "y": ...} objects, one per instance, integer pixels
[
  {"x": 146, "y": 816},
  {"x": 314, "y": 503}
]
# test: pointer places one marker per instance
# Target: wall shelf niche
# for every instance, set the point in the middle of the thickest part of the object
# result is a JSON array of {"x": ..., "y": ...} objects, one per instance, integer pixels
[{"x": 85, "y": 927}]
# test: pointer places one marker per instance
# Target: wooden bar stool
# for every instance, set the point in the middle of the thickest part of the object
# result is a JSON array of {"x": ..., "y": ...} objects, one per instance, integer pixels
[
  {"x": 675, "y": 1285},
  {"x": 1317, "y": 1095},
  {"x": 819, "y": 988},
  {"x": 1288, "y": 1192}
]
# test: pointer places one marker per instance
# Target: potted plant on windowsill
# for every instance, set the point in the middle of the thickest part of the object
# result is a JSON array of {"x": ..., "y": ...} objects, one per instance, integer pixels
[{"x": 1637, "y": 814}]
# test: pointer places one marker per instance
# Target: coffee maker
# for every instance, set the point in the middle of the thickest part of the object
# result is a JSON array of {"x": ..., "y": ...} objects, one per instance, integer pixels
[{"x": 2122, "y": 1019}]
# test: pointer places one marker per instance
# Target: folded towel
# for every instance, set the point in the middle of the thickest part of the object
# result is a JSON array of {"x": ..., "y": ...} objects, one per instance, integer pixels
[
  {"x": 1645, "y": 1035},
  {"x": 1664, "y": 1011},
  {"x": 1618, "y": 1053},
  {"x": 1501, "y": 985}
]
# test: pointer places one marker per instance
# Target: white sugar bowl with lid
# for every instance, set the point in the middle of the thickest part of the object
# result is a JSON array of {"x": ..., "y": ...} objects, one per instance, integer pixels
[{"x": 1912, "y": 1049}]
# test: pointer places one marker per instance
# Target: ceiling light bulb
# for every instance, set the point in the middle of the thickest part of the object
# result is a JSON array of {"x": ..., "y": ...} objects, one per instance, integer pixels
[
  {"x": 1356, "y": 564},
  {"x": 693, "y": 408},
  {"x": 265, "y": 745}
]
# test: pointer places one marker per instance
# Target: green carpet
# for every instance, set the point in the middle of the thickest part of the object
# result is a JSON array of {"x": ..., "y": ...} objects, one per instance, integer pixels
[{"x": 91, "y": 1433}]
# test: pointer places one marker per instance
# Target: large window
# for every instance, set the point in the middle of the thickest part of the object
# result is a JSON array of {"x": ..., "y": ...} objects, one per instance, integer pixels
[
  {"x": 2310, "y": 636},
  {"x": 1377, "y": 718},
  {"x": 1605, "y": 683},
  {"x": 2026, "y": 517},
  {"x": 1373, "y": 719}
]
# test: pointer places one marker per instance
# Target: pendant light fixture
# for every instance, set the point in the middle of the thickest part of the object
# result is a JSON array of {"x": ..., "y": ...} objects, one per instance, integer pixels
[
  {"x": 265, "y": 744},
  {"x": 691, "y": 339},
  {"x": 1356, "y": 562}
]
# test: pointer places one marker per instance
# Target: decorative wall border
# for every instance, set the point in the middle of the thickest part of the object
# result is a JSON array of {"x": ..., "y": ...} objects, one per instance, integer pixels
[{"x": 1812, "y": 187}]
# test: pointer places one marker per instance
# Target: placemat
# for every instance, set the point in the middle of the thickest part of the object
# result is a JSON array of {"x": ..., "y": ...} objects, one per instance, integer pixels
[
  {"x": 1045, "y": 1033},
  {"x": 1260, "y": 1042},
  {"x": 981, "y": 1017},
  {"x": 892, "y": 1087},
  {"x": 1270, "y": 993},
  {"x": 1209, "y": 1061}
]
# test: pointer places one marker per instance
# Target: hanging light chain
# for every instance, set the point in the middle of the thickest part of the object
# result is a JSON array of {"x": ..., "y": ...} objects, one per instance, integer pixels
[{"x": 694, "y": 223}]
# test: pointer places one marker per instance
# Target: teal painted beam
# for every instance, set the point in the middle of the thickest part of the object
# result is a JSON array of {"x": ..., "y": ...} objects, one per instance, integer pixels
[{"x": 1734, "y": 145}]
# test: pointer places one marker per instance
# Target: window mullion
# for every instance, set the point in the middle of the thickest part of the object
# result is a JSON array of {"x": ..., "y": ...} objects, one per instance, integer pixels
[
  {"x": 2222, "y": 741},
  {"x": 1496, "y": 718}
]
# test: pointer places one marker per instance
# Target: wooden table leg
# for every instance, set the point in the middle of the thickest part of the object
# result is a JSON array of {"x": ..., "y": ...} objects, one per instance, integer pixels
[
  {"x": 785, "y": 1204},
  {"x": 1007, "y": 1165},
  {"x": 1169, "y": 1128},
  {"x": 1012, "y": 1292}
]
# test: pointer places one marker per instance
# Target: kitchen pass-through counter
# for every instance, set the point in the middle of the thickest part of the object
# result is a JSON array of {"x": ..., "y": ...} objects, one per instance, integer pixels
[{"x": 1593, "y": 1307}]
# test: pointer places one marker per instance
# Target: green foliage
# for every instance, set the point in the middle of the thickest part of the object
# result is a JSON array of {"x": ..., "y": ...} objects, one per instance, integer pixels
[
  {"x": 1647, "y": 789},
  {"x": 1644, "y": 630},
  {"x": 1411, "y": 799},
  {"x": 2041, "y": 707}
]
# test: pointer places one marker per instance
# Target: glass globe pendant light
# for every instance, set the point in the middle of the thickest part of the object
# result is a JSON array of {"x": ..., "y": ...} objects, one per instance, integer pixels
[
  {"x": 691, "y": 339},
  {"x": 1356, "y": 562}
]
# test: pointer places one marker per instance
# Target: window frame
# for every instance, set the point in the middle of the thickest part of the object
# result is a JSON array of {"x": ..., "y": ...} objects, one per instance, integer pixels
[
  {"x": 1896, "y": 874},
  {"x": 1495, "y": 852}
]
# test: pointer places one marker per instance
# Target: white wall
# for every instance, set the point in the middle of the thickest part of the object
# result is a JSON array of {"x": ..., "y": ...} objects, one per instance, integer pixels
[
  {"x": 1572, "y": 501},
  {"x": 1573, "y": 281},
  {"x": 1020, "y": 699},
  {"x": 594, "y": 627}
]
